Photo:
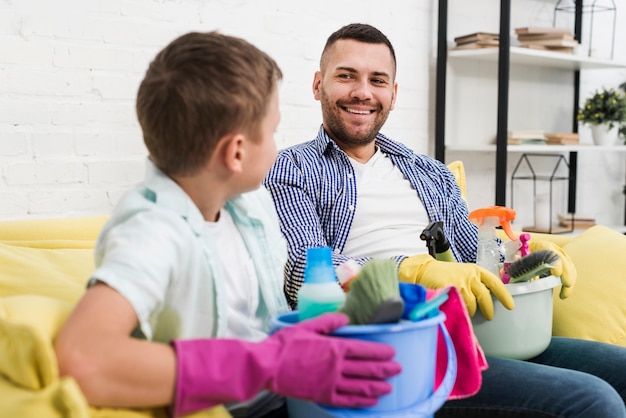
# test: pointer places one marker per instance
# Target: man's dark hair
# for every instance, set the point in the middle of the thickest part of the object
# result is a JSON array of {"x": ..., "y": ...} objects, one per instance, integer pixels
[{"x": 359, "y": 32}]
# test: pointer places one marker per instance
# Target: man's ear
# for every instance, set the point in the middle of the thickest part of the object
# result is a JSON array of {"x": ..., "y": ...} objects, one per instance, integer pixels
[
  {"x": 232, "y": 152},
  {"x": 394, "y": 96},
  {"x": 317, "y": 80}
]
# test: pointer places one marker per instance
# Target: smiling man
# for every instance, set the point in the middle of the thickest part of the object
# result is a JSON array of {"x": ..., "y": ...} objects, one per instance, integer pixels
[
  {"x": 316, "y": 185},
  {"x": 356, "y": 99},
  {"x": 368, "y": 196}
]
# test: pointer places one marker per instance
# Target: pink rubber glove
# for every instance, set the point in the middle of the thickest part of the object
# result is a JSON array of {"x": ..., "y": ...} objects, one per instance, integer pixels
[{"x": 297, "y": 361}]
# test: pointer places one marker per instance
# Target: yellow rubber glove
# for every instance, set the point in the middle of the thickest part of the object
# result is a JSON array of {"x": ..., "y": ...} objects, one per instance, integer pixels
[
  {"x": 564, "y": 267},
  {"x": 472, "y": 281}
]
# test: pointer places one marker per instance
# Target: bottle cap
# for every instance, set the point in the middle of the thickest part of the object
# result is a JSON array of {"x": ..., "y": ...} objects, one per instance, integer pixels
[{"x": 319, "y": 266}]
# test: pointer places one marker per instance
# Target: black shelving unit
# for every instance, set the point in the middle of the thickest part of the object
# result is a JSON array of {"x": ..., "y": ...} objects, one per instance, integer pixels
[{"x": 503, "y": 98}]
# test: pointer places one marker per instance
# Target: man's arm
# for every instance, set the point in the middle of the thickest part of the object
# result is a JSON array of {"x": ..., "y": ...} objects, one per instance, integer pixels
[
  {"x": 112, "y": 368},
  {"x": 295, "y": 193}
]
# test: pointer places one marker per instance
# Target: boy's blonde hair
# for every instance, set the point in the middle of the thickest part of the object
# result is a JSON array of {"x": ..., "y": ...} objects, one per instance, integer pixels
[{"x": 199, "y": 88}]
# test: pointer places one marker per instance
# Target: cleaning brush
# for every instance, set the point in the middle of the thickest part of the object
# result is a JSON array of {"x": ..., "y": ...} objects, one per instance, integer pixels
[
  {"x": 374, "y": 295},
  {"x": 537, "y": 263}
]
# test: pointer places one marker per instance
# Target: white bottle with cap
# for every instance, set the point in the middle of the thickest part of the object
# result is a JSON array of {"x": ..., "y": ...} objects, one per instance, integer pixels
[{"x": 320, "y": 292}]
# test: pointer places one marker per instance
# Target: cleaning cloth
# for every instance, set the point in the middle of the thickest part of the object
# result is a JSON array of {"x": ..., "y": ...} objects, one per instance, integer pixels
[{"x": 471, "y": 361}]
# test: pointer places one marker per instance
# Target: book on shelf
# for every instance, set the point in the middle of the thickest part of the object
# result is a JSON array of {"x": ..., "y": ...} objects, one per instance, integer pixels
[
  {"x": 575, "y": 221},
  {"x": 477, "y": 45},
  {"x": 561, "y": 49},
  {"x": 562, "y": 138},
  {"x": 553, "y": 229},
  {"x": 525, "y": 136},
  {"x": 551, "y": 42},
  {"x": 544, "y": 36},
  {"x": 476, "y": 37},
  {"x": 539, "y": 29}
]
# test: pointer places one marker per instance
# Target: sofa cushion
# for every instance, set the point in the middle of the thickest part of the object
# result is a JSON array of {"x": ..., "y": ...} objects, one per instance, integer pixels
[
  {"x": 59, "y": 272},
  {"x": 596, "y": 310},
  {"x": 84, "y": 228},
  {"x": 27, "y": 324}
]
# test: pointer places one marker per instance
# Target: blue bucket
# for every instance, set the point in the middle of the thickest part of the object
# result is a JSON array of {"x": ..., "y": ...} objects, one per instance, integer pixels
[{"x": 413, "y": 389}]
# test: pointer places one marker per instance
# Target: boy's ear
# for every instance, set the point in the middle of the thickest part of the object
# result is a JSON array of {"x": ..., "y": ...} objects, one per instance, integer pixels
[{"x": 232, "y": 151}]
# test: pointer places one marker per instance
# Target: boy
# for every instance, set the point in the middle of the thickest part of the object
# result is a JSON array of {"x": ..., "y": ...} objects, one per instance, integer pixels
[{"x": 195, "y": 252}]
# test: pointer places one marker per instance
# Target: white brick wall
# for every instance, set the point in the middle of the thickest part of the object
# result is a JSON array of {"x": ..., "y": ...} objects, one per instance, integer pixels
[{"x": 69, "y": 71}]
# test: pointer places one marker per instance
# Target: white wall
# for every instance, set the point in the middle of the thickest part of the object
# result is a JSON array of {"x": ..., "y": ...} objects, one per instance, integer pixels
[{"x": 69, "y": 71}]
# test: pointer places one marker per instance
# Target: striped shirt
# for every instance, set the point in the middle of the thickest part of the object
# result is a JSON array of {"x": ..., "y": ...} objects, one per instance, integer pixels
[{"x": 314, "y": 190}]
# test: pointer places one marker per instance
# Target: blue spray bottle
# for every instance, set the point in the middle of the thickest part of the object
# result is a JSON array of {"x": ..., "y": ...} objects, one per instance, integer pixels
[{"x": 320, "y": 292}]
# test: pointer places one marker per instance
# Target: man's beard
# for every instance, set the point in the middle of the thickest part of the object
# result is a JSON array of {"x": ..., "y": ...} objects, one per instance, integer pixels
[{"x": 339, "y": 131}]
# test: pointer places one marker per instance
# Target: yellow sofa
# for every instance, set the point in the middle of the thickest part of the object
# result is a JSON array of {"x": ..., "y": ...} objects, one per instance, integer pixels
[{"x": 45, "y": 264}]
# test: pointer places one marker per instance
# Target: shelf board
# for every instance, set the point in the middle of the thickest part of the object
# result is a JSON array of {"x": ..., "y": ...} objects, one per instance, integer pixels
[
  {"x": 539, "y": 149},
  {"x": 526, "y": 56}
]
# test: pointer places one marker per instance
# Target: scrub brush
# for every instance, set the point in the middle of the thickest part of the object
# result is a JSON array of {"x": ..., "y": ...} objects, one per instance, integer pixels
[
  {"x": 374, "y": 295},
  {"x": 537, "y": 263}
]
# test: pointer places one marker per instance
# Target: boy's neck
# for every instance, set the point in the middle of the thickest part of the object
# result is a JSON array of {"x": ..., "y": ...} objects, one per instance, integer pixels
[{"x": 209, "y": 195}]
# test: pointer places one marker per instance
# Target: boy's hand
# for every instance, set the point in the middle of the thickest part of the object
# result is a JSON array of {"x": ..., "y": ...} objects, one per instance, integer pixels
[
  {"x": 298, "y": 361},
  {"x": 472, "y": 281}
]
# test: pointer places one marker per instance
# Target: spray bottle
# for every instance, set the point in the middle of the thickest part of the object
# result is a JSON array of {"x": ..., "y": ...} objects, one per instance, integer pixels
[
  {"x": 320, "y": 292},
  {"x": 488, "y": 219},
  {"x": 437, "y": 242}
]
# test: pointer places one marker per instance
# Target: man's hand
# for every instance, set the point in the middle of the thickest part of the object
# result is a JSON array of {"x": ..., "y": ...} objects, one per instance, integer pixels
[
  {"x": 472, "y": 281},
  {"x": 563, "y": 268}
]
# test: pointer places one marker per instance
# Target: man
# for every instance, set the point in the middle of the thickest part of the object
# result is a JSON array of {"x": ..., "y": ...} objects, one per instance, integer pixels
[
  {"x": 189, "y": 266},
  {"x": 368, "y": 196}
]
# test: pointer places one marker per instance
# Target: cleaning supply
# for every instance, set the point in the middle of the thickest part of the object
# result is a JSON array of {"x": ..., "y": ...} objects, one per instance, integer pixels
[
  {"x": 488, "y": 219},
  {"x": 525, "y": 331},
  {"x": 536, "y": 264},
  {"x": 429, "y": 308},
  {"x": 513, "y": 251},
  {"x": 374, "y": 294},
  {"x": 416, "y": 390},
  {"x": 346, "y": 272},
  {"x": 437, "y": 242},
  {"x": 320, "y": 291}
]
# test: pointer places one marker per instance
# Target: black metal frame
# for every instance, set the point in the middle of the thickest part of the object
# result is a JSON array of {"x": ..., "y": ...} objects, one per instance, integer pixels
[
  {"x": 592, "y": 8},
  {"x": 535, "y": 177},
  {"x": 503, "y": 97}
]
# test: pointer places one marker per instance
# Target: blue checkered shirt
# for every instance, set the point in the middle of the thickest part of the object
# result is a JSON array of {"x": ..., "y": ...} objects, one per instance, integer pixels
[{"x": 314, "y": 190}]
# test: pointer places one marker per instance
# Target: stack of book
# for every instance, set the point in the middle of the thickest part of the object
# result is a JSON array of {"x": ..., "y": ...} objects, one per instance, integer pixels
[
  {"x": 546, "y": 38},
  {"x": 570, "y": 221},
  {"x": 477, "y": 40},
  {"x": 562, "y": 138},
  {"x": 526, "y": 136}
]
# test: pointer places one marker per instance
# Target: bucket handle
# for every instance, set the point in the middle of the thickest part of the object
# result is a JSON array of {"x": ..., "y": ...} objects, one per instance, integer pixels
[{"x": 428, "y": 407}]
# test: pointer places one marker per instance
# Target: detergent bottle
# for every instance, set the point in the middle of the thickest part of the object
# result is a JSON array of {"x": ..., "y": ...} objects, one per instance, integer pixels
[
  {"x": 321, "y": 291},
  {"x": 488, "y": 219}
]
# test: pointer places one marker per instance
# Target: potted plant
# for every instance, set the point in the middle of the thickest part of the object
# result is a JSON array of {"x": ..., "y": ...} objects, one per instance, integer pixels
[{"x": 604, "y": 110}]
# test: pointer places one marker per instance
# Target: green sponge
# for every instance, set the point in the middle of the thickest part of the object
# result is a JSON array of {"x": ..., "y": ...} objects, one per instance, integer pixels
[{"x": 374, "y": 296}]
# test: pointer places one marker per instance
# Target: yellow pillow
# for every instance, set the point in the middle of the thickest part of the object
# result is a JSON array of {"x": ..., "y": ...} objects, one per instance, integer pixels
[
  {"x": 596, "y": 310},
  {"x": 458, "y": 169},
  {"x": 61, "y": 273}
]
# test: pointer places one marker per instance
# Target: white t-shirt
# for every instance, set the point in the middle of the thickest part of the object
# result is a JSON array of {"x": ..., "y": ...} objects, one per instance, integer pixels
[
  {"x": 240, "y": 280},
  {"x": 389, "y": 215}
]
